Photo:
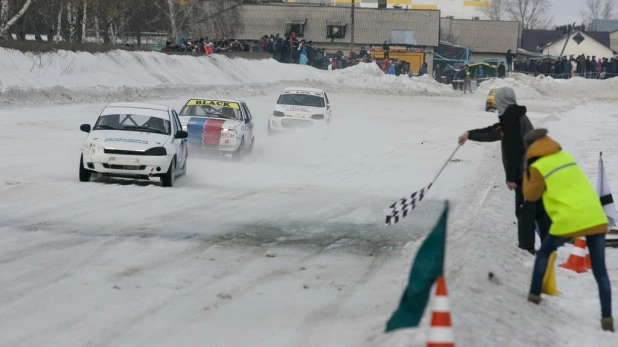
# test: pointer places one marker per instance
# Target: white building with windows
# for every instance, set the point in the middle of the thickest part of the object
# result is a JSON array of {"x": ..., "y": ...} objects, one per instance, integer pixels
[{"x": 459, "y": 9}]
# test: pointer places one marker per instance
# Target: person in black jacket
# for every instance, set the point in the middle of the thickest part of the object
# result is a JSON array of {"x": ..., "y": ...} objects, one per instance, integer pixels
[{"x": 510, "y": 130}]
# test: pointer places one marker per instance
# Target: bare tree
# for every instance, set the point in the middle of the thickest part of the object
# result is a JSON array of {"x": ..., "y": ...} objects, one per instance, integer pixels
[
  {"x": 448, "y": 36},
  {"x": 5, "y": 22},
  {"x": 598, "y": 9},
  {"x": 532, "y": 14},
  {"x": 493, "y": 12}
]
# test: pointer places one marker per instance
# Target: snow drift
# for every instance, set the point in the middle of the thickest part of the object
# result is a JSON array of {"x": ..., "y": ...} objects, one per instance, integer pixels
[
  {"x": 548, "y": 88},
  {"x": 368, "y": 78},
  {"x": 121, "y": 75}
]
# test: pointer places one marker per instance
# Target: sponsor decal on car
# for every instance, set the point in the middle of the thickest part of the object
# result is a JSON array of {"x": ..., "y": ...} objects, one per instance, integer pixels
[
  {"x": 219, "y": 103},
  {"x": 296, "y": 109},
  {"x": 119, "y": 139}
]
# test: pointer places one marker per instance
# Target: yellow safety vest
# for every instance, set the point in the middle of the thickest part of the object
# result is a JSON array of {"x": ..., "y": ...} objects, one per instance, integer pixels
[{"x": 570, "y": 200}]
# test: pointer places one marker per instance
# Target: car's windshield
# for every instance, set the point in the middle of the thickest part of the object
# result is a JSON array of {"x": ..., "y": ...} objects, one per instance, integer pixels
[
  {"x": 133, "y": 122},
  {"x": 211, "y": 109},
  {"x": 301, "y": 100}
]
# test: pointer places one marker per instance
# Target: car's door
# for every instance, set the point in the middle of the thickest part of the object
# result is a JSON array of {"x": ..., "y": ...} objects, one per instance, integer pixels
[
  {"x": 249, "y": 126},
  {"x": 179, "y": 144}
]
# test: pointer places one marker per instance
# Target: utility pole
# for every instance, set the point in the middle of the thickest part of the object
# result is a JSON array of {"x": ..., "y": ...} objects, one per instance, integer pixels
[{"x": 352, "y": 28}]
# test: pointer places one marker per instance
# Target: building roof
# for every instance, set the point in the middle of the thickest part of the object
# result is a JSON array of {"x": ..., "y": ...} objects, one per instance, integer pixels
[
  {"x": 483, "y": 36},
  {"x": 372, "y": 26},
  {"x": 603, "y": 25},
  {"x": 569, "y": 48},
  {"x": 533, "y": 40}
]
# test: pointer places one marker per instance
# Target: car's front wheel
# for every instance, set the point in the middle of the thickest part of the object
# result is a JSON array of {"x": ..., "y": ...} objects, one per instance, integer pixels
[
  {"x": 167, "y": 180},
  {"x": 237, "y": 155},
  {"x": 84, "y": 174}
]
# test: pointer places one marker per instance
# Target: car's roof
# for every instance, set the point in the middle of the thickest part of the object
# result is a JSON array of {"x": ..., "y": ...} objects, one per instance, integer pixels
[
  {"x": 299, "y": 89},
  {"x": 141, "y": 105},
  {"x": 219, "y": 99}
]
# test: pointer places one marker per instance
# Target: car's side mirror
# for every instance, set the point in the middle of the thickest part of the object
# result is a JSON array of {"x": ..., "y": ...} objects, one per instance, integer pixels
[
  {"x": 181, "y": 134},
  {"x": 85, "y": 128}
]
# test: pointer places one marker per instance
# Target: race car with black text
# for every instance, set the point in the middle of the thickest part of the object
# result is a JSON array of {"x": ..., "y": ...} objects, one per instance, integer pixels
[
  {"x": 219, "y": 126},
  {"x": 300, "y": 108},
  {"x": 135, "y": 140}
]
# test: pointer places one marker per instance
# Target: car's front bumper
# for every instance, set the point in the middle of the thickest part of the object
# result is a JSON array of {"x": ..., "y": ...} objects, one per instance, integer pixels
[
  {"x": 292, "y": 123},
  {"x": 226, "y": 144},
  {"x": 127, "y": 165}
]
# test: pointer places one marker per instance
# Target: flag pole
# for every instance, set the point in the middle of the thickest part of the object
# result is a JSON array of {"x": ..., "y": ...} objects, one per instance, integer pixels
[{"x": 445, "y": 164}]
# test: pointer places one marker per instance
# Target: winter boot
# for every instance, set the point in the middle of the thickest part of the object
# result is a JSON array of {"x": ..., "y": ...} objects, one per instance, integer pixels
[
  {"x": 534, "y": 298},
  {"x": 607, "y": 324}
]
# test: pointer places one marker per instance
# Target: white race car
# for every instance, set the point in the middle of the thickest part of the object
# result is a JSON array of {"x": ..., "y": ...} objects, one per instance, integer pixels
[
  {"x": 135, "y": 140},
  {"x": 221, "y": 126},
  {"x": 300, "y": 108}
]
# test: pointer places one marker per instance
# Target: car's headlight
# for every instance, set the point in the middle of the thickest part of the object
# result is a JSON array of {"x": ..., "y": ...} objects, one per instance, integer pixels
[
  {"x": 228, "y": 133},
  {"x": 184, "y": 128},
  {"x": 278, "y": 114},
  {"x": 156, "y": 151},
  {"x": 317, "y": 116}
]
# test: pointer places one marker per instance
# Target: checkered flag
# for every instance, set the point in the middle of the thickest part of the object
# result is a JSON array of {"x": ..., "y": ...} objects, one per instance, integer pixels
[{"x": 402, "y": 207}]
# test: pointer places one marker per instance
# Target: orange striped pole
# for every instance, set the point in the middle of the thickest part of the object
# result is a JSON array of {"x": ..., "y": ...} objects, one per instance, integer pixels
[{"x": 441, "y": 330}]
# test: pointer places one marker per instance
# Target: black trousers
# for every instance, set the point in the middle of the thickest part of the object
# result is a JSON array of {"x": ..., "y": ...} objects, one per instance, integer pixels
[{"x": 529, "y": 215}]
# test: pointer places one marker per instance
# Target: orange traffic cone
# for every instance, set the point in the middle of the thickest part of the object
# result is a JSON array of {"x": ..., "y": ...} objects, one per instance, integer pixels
[
  {"x": 577, "y": 256},
  {"x": 441, "y": 330},
  {"x": 587, "y": 263}
]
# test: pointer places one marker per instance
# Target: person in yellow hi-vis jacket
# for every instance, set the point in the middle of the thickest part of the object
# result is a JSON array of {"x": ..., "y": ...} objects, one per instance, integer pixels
[{"x": 574, "y": 208}]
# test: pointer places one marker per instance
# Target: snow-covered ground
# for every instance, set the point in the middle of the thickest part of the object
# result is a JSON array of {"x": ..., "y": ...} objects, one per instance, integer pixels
[{"x": 286, "y": 248}]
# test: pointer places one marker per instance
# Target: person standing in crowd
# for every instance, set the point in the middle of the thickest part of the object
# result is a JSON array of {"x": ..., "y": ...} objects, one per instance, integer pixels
[
  {"x": 386, "y": 50},
  {"x": 467, "y": 78},
  {"x": 509, "y": 61},
  {"x": 501, "y": 70},
  {"x": 510, "y": 130},
  {"x": 574, "y": 208},
  {"x": 423, "y": 70}
]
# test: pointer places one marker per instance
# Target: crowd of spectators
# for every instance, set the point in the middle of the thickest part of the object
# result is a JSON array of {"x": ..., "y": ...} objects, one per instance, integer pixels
[{"x": 581, "y": 66}]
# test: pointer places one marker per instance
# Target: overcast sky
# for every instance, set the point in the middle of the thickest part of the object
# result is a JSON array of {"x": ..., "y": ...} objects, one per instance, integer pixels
[{"x": 567, "y": 11}]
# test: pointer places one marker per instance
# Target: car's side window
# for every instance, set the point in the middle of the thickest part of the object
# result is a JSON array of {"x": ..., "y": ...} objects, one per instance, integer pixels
[
  {"x": 177, "y": 121},
  {"x": 247, "y": 112}
]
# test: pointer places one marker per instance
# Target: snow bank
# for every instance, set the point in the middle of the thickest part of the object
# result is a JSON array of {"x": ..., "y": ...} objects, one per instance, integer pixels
[
  {"x": 65, "y": 76},
  {"x": 541, "y": 87},
  {"x": 368, "y": 78}
]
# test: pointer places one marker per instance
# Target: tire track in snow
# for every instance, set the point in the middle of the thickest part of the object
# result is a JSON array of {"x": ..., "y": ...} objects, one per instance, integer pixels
[
  {"x": 43, "y": 283},
  {"x": 316, "y": 317},
  {"x": 193, "y": 315}
]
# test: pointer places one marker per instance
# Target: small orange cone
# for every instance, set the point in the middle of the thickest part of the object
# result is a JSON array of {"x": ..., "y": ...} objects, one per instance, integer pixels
[
  {"x": 587, "y": 263},
  {"x": 441, "y": 330},
  {"x": 577, "y": 257}
]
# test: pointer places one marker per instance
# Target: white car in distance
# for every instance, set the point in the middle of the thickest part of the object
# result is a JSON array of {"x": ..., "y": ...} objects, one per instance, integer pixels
[
  {"x": 135, "y": 140},
  {"x": 300, "y": 108}
]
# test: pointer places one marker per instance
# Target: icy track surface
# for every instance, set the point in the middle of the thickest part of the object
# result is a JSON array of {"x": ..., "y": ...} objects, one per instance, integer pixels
[{"x": 288, "y": 245}]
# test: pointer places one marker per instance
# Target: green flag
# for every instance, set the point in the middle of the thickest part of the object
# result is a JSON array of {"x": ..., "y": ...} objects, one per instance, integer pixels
[{"x": 427, "y": 266}]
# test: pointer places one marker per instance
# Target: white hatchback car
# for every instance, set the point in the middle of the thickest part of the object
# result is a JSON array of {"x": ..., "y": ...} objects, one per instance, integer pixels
[
  {"x": 300, "y": 108},
  {"x": 135, "y": 140}
]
